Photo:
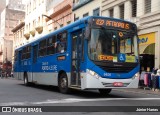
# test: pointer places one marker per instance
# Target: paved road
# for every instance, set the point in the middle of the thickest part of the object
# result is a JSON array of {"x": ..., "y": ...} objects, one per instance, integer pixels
[{"x": 14, "y": 93}]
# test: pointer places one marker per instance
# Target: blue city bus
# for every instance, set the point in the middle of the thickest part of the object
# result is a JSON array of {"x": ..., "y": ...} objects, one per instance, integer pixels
[{"x": 95, "y": 52}]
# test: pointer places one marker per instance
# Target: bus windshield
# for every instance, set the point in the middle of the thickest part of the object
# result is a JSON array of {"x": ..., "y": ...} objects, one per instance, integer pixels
[{"x": 113, "y": 45}]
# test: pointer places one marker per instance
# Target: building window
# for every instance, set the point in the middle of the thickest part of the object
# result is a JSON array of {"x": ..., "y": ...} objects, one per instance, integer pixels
[
  {"x": 29, "y": 27},
  {"x": 34, "y": 4},
  {"x": 39, "y": 21},
  {"x": 68, "y": 22},
  {"x": 61, "y": 25},
  {"x": 27, "y": 9},
  {"x": 122, "y": 11},
  {"x": 134, "y": 8},
  {"x": 86, "y": 14},
  {"x": 55, "y": 28},
  {"x": 96, "y": 12},
  {"x": 30, "y": 8},
  {"x": 111, "y": 13},
  {"x": 76, "y": 19},
  {"x": 34, "y": 23},
  {"x": 147, "y": 6}
]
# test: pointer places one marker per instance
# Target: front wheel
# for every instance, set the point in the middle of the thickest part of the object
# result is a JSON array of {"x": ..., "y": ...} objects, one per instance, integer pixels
[
  {"x": 63, "y": 83},
  {"x": 105, "y": 91}
]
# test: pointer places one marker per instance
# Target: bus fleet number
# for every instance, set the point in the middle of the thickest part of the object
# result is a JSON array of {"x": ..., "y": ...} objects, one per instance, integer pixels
[{"x": 107, "y": 74}]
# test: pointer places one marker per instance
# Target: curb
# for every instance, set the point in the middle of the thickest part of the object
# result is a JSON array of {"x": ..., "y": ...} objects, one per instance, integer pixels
[{"x": 141, "y": 91}]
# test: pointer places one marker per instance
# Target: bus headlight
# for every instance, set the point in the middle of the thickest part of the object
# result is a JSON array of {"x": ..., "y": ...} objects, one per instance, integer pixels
[
  {"x": 136, "y": 75},
  {"x": 92, "y": 73}
]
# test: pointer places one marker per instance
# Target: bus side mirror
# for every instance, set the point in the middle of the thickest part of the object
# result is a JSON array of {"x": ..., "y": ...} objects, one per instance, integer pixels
[{"x": 87, "y": 33}]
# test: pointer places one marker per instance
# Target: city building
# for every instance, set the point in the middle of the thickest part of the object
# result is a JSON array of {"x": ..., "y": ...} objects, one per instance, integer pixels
[
  {"x": 146, "y": 15},
  {"x": 19, "y": 39},
  {"x": 10, "y": 17},
  {"x": 18, "y": 33},
  {"x": 59, "y": 15},
  {"x": 82, "y": 8},
  {"x": 34, "y": 19},
  {"x": 2, "y": 6}
]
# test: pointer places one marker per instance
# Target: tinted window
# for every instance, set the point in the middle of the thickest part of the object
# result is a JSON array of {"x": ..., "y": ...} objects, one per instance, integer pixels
[
  {"x": 61, "y": 43},
  {"x": 51, "y": 45},
  {"x": 26, "y": 52},
  {"x": 42, "y": 48}
]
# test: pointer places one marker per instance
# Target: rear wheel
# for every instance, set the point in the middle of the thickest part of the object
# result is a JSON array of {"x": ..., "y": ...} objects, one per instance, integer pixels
[
  {"x": 63, "y": 83},
  {"x": 105, "y": 91}
]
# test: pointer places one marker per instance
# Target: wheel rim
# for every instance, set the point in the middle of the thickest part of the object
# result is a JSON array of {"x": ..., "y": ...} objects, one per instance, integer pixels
[{"x": 63, "y": 83}]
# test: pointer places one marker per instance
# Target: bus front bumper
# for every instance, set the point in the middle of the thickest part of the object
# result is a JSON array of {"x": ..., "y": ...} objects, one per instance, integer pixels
[{"x": 89, "y": 81}]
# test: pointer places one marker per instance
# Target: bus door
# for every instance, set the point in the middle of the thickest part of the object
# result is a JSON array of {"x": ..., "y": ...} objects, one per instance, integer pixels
[
  {"x": 76, "y": 58},
  {"x": 34, "y": 59},
  {"x": 19, "y": 63}
]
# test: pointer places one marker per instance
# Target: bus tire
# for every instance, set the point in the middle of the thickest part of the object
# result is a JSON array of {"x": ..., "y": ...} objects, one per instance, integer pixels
[
  {"x": 63, "y": 83},
  {"x": 26, "y": 83},
  {"x": 104, "y": 91}
]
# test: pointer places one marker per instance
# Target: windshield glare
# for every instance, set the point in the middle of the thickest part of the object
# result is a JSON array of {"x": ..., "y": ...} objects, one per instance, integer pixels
[{"x": 113, "y": 45}]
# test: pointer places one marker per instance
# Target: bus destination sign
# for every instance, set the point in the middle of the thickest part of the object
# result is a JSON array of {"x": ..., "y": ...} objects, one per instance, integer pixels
[{"x": 112, "y": 23}]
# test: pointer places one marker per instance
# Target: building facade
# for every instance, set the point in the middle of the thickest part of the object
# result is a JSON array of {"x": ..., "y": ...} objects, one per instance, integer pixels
[
  {"x": 34, "y": 19},
  {"x": 10, "y": 17},
  {"x": 59, "y": 15},
  {"x": 146, "y": 15},
  {"x": 82, "y": 8},
  {"x": 19, "y": 39},
  {"x": 2, "y": 6},
  {"x": 18, "y": 33}
]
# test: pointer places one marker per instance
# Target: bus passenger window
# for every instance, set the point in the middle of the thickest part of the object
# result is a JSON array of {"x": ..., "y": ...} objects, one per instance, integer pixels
[
  {"x": 61, "y": 43},
  {"x": 42, "y": 48},
  {"x": 28, "y": 52},
  {"x": 51, "y": 45},
  {"x": 16, "y": 56},
  {"x": 24, "y": 53}
]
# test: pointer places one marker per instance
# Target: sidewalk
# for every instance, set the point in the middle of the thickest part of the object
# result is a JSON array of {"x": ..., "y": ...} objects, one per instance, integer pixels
[{"x": 141, "y": 90}]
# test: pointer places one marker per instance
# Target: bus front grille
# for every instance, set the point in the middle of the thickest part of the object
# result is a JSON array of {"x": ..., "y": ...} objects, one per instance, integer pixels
[{"x": 116, "y": 67}]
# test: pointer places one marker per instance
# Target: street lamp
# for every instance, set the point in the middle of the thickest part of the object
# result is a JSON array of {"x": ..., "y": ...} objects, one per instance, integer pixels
[
  {"x": 47, "y": 16},
  {"x": 50, "y": 18}
]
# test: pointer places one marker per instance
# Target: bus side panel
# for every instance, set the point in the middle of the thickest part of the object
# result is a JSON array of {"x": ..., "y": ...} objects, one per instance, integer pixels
[
  {"x": 18, "y": 75},
  {"x": 45, "y": 78}
]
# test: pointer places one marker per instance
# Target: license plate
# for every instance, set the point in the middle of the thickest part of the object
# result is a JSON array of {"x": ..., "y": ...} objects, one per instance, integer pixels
[{"x": 117, "y": 84}]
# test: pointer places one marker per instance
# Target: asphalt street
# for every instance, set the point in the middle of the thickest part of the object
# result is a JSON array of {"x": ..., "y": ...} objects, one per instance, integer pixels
[{"x": 14, "y": 93}]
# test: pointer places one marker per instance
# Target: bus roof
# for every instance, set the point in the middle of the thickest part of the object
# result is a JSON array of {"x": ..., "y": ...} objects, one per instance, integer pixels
[{"x": 80, "y": 21}]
